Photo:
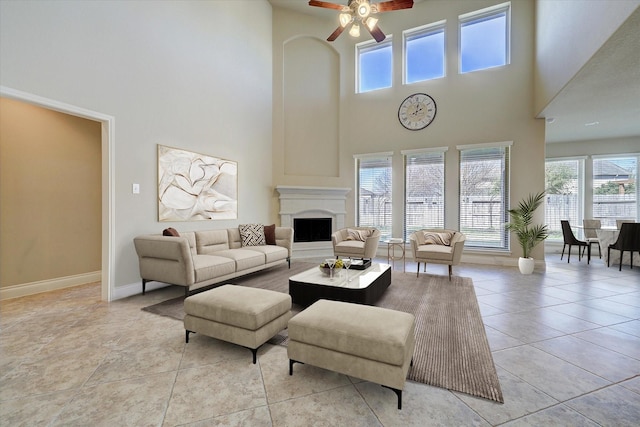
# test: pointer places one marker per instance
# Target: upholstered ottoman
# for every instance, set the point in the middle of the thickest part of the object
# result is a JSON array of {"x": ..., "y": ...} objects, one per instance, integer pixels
[
  {"x": 236, "y": 314},
  {"x": 372, "y": 343}
]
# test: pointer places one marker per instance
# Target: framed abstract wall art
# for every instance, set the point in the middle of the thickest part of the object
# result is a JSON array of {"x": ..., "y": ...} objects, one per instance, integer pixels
[{"x": 195, "y": 187}]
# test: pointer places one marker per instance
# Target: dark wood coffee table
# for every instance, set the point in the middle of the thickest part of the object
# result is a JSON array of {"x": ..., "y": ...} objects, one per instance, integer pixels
[{"x": 365, "y": 287}]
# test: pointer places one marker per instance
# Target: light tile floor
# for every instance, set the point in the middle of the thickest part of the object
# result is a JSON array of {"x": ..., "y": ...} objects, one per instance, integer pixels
[{"x": 566, "y": 344}]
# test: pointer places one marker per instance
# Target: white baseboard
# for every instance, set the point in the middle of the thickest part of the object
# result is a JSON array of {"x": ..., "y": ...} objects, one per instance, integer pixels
[
  {"x": 135, "y": 289},
  {"x": 49, "y": 285}
]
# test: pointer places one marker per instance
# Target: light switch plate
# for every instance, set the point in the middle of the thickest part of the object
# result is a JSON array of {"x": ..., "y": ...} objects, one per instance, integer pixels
[{"x": 135, "y": 188}]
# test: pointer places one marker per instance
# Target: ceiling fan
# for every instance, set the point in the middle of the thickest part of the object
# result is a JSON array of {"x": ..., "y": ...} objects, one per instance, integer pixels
[{"x": 358, "y": 12}]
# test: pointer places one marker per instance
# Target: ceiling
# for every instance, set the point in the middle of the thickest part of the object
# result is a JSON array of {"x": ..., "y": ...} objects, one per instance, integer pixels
[{"x": 601, "y": 101}]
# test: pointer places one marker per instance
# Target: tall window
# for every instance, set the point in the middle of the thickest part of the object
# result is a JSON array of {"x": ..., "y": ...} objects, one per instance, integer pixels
[
  {"x": 374, "y": 192},
  {"x": 615, "y": 189},
  {"x": 565, "y": 194},
  {"x": 484, "y": 194},
  {"x": 424, "y": 189},
  {"x": 424, "y": 53},
  {"x": 484, "y": 38},
  {"x": 374, "y": 65}
]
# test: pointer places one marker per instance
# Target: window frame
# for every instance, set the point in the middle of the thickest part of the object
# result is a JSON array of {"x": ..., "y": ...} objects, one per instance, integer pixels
[
  {"x": 407, "y": 230},
  {"x": 504, "y": 240},
  {"x": 481, "y": 16},
  {"x": 601, "y": 157},
  {"x": 580, "y": 198},
  {"x": 369, "y": 46},
  {"x": 419, "y": 32},
  {"x": 384, "y": 157}
]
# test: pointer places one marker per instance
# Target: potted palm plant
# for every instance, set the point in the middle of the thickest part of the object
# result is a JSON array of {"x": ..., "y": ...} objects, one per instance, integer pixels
[{"x": 528, "y": 234}]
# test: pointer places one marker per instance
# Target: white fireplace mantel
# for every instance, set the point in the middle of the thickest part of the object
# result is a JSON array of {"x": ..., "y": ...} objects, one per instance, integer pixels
[{"x": 311, "y": 202}]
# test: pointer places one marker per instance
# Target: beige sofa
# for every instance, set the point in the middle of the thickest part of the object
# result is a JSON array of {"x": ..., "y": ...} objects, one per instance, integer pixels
[
  {"x": 197, "y": 259},
  {"x": 437, "y": 246}
]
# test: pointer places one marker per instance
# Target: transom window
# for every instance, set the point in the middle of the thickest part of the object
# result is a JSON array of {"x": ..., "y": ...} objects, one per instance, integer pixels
[
  {"x": 424, "y": 53},
  {"x": 484, "y": 195},
  {"x": 374, "y": 63},
  {"x": 484, "y": 38},
  {"x": 424, "y": 189},
  {"x": 374, "y": 192}
]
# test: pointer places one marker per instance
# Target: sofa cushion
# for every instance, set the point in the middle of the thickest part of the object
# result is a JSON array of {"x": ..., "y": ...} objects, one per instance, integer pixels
[
  {"x": 211, "y": 266},
  {"x": 211, "y": 241},
  {"x": 354, "y": 247},
  {"x": 252, "y": 234},
  {"x": 270, "y": 234},
  {"x": 272, "y": 253},
  {"x": 244, "y": 258},
  {"x": 435, "y": 252},
  {"x": 437, "y": 238}
]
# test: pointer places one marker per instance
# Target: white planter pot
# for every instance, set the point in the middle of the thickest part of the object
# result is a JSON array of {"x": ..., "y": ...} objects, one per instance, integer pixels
[{"x": 526, "y": 265}]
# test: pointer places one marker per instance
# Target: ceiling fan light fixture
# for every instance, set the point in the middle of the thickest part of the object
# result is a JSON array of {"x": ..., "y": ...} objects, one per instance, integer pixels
[
  {"x": 355, "y": 31},
  {"x": 364, "y": 9},
  {"x": 345, "y": 19},
  {"x": 371, "y": 22}
]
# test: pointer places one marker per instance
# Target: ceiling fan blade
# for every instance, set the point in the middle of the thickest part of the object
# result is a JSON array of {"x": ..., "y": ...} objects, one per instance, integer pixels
[
  {"x": 387, "y": 6},
  {"x": 325, "y": 4},
  {"x": 376, "y": 33},
  {"x": 336, "y": 33}
]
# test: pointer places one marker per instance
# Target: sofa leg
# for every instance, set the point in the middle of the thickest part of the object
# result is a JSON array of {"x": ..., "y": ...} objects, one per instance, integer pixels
[
  {"x": 289, "y": 261},
  {"x": 186, "y": 335},
  {"x": 398, "y": 392},
  {"x": 450, "y": 271},
  {"x": 418, "y": 270},
  {"x": 144, "y": 283},
  {"x": 291, "y": 362}
]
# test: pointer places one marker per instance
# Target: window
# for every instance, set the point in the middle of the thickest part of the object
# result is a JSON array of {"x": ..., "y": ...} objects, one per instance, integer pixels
[
  {"x": 615, "y": 189},
  {"x": 374, "y": 65},
  {"x": 484, "y": 38},
  {"x": 374, "y": 192},
  {"x": 484, "y": 195},
  {"x": 564, "y": 185},
  {"x": 424, "y": 53},
  {"x": 423, "y": 189}
]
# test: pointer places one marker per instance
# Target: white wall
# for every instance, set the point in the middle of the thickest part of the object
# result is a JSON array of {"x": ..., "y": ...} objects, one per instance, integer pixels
[
  {"x": 488, "y": 106},
  {"x": 187, "y": 74},
  {"x": 568, "y": 34}
]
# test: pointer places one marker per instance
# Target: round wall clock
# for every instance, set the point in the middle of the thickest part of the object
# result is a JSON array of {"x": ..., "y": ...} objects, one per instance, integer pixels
[{"x": 417, "y": 111}]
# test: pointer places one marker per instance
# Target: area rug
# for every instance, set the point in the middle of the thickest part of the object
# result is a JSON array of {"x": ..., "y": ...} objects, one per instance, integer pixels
[{"x": 452, "y": 350}]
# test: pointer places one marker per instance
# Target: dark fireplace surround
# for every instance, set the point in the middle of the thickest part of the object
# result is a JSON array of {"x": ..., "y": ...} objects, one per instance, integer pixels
[{"x": 312, "y": 229}]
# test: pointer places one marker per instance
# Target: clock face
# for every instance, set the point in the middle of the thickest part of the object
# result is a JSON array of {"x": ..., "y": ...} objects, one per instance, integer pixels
[{"x": 417, "y": 111}]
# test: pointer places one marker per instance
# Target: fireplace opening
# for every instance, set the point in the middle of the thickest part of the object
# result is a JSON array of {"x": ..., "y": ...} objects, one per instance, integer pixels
[{"x": 312, "y": 229}]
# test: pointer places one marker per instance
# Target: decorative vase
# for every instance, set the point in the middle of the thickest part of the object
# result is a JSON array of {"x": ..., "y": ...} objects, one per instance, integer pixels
[{"x": 526, "y": 265}]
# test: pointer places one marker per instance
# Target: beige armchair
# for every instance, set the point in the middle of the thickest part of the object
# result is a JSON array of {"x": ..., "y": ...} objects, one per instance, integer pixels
[
  {"x": 356, "y": 242},
  {"x": 437, "y": 246}
]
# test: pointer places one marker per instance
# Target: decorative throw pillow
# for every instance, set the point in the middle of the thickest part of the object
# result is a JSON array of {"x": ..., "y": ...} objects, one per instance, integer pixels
[
  {"x": 360, "y": 235},
  {"x": 170, "y": 232},
  {"x": 435, "y": 238},
  {"x": 252, "y": 234},
  {"x": 270, "y": 234}
]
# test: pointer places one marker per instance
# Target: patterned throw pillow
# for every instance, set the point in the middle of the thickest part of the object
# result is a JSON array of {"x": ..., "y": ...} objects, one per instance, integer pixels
[
  {"x": 252, "y": 234},
  {"x": 360, "y": 235},
  {"x": 434, "y": 238}
]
